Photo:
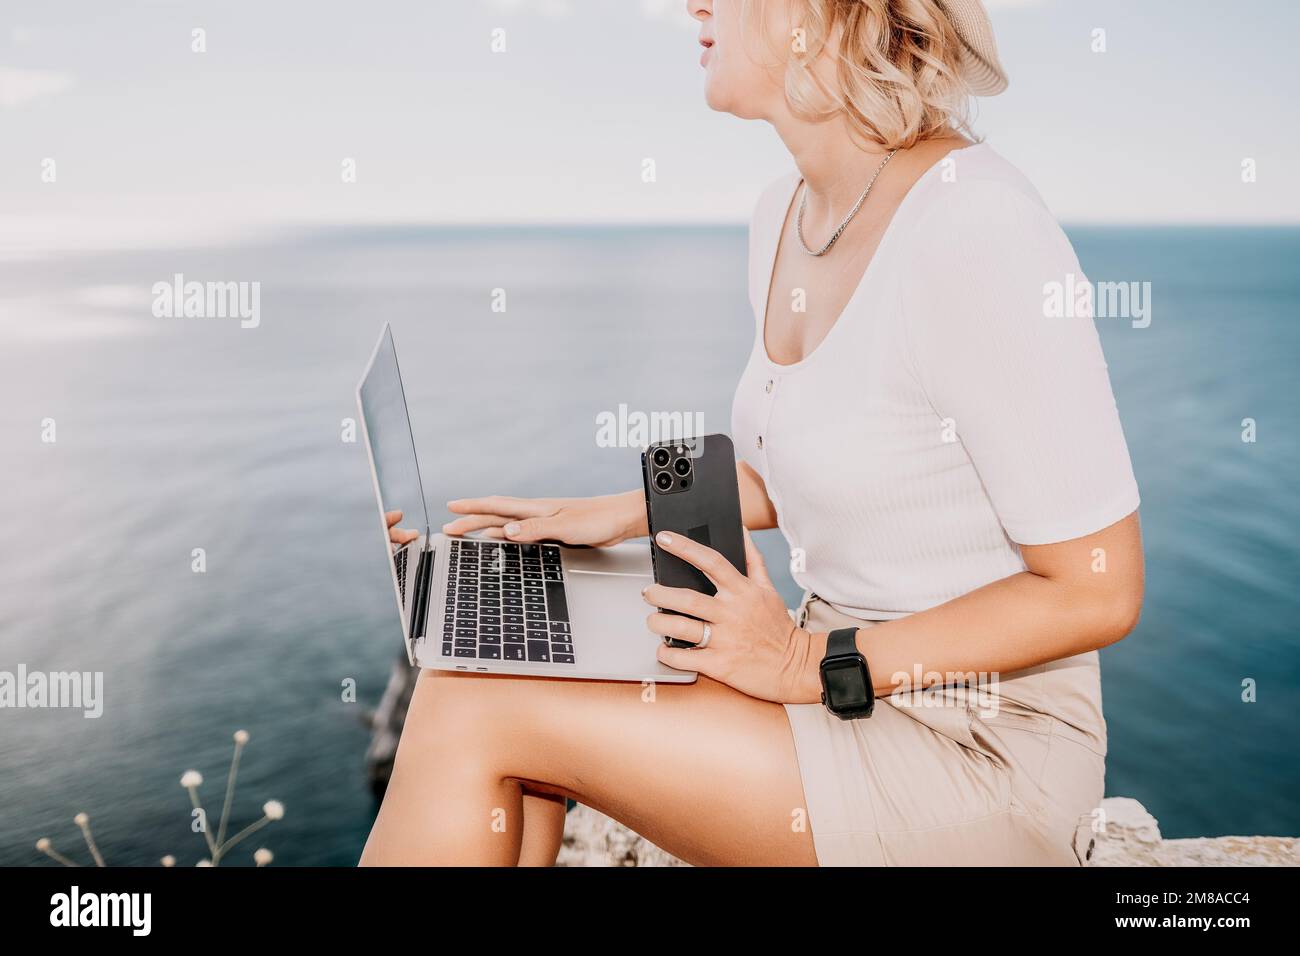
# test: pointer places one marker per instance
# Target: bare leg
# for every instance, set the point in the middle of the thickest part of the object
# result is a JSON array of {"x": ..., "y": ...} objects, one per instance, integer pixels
[
  {"x": 543, "y": 828},
  {"x": 701, "y": 770}
]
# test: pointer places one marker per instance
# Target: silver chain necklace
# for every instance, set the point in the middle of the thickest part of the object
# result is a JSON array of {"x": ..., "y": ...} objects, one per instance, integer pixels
[{"x": 803, "y": 204}]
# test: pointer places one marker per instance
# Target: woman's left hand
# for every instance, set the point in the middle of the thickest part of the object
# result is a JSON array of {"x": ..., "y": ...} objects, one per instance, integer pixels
[{"x": 753, "y": 645}]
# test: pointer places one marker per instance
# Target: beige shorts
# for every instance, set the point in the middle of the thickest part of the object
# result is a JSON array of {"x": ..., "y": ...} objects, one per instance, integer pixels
[{"x": 1007, "y": 773}]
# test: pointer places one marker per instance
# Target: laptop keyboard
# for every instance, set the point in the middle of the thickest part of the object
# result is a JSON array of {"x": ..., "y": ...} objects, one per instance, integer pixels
[{"x": 506, "y": 602}]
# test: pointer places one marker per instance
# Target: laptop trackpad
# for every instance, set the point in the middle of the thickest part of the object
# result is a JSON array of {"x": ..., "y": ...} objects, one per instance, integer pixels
[
  {"x": 626, "y": 558},
  {"x": 608, "y": 612}
]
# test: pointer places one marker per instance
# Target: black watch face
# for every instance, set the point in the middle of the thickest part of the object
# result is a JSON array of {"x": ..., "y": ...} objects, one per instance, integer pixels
[{"x": 846, "y": 686}]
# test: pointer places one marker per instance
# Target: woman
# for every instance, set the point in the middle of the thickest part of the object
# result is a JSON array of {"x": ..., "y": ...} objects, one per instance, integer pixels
[{"x": 945, "y": 459}]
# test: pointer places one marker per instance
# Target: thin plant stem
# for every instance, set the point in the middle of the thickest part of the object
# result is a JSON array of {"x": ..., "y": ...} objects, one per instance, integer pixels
[
  {"x": 246, "y": 832},
  {"x": 230, "y": 792},
  {"x": 54, "y": 854},
  {"x": 90, "y": 842},
  {"x": 194, "y": 799}
]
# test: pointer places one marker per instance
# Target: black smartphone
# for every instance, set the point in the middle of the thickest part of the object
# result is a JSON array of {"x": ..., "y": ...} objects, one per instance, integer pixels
[{"x": 691, "y": 489}]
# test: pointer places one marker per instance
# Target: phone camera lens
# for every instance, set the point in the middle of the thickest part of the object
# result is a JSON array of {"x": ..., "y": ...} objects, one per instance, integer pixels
[
  {"x": 661, "y": 457},
  {"x": 664, "y": 481},
  {"x": 682, "y": 466}
]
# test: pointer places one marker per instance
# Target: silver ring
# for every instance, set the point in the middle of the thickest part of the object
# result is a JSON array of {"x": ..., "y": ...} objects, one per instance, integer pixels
[{"x": 708, "y": 633}]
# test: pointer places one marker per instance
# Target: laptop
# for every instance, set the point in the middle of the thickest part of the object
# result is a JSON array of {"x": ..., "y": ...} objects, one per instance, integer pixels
[{"x": 499, "y": 607}]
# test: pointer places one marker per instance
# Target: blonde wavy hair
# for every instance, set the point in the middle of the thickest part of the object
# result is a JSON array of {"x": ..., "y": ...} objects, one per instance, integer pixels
[{"x": 897, "y": 67}]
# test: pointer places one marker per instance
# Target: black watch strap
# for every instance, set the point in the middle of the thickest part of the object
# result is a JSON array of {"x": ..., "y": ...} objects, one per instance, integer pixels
[{"x": 842, "y": 641}]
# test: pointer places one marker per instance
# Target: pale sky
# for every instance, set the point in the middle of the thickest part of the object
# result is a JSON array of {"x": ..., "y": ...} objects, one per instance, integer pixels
[{"x": 153, "y": 142}]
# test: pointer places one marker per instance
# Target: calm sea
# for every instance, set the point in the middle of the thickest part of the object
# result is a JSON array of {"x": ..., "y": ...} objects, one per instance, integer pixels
[{"x": 180, "y": 434}]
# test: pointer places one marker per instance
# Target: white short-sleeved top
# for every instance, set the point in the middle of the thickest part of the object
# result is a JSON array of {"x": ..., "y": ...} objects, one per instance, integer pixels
[{"x": 948, "y": 416}]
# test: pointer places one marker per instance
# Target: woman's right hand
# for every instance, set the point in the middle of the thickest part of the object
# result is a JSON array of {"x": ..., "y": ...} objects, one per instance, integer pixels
[{"x": 601, "y": 521}]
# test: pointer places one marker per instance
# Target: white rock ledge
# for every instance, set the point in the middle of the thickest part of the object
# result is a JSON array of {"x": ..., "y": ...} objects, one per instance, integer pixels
[{"x": 1130, "y": 837}]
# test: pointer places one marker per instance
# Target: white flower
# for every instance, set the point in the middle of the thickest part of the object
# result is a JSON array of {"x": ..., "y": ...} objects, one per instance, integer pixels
[
  {"x": 262, "y": 856},
  {"x": 203, "y": 863},
  {"x": 168, "y": 860},
  {"x": 43, "y": 844},
  {"x": 273, "y": 809},
  {"x": 81, "y": 819},
  {"x": 241, "y": 736},
  {"x": 191, "y": 778}
]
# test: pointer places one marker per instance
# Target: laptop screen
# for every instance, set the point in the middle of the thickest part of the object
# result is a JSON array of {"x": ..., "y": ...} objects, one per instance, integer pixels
[{"x": 392, "y": 446}]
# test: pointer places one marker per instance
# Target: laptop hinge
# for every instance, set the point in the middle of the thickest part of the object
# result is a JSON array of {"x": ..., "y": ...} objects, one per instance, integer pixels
[{"x": 420, "y": 609}]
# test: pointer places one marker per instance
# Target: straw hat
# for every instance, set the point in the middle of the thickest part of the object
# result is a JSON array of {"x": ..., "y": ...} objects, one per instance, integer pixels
[{"x": 979, "y": 56}]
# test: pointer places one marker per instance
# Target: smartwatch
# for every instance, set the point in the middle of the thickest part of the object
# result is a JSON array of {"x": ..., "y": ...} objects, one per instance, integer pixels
[{"x": 846, "y": 681}]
